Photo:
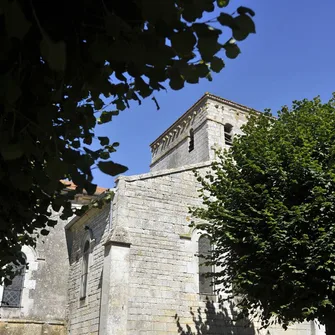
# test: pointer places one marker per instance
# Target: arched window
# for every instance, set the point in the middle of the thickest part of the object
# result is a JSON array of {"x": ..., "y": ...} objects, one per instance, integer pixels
[
  {"x": 228, "y": 134},
  {"x": 205, "y": 281},
  {"x": 84, "y": 270},
  {"x": 191, "y": 141},
  {"x": 12, "y": 293}
]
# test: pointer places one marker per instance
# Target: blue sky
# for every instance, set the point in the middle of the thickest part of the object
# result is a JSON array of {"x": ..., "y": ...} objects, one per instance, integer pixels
[{"x": 291, "y": 57}]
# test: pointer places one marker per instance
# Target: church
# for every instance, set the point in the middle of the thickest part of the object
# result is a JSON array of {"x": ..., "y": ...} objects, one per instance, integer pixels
[{"x": 131, "y": 267}]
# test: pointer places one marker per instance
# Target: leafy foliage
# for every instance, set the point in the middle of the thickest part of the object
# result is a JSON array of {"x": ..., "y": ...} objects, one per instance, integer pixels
[
  {"x": 59, "y": 63},
  {"x": 270, "y": 211}
]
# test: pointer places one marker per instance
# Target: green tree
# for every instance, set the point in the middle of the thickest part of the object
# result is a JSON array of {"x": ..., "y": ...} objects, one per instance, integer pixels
[
  {"x": 269, "y": 207},
  {"x": 59, "y": 62}
]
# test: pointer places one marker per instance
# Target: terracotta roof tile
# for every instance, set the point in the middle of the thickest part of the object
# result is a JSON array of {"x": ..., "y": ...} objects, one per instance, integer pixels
[{"x": 72, "y": 186}]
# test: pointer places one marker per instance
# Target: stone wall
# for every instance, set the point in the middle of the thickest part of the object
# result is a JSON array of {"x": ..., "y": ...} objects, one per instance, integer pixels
[
  {"x": 163, "y": 293},
  {"x": 44, "y": 294},
  {"x": 163, "y": 265},
  {"x": 50, "y": 294},
  {"x": 84, "y": 313}
]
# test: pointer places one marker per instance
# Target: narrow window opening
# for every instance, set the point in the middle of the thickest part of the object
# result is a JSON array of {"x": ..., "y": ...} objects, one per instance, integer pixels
[
  {"x": 84, "y": 270},
  {"x": 191, "y": 141},
  {"x": 12, "y": 293},
  {"x": 228, "y": 134},
  {"x": 205, "y": 280}
]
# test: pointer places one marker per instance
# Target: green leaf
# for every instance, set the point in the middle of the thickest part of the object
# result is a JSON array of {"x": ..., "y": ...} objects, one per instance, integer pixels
[
  {"x": 112, "y": 168},
  {"x": 232, "y": 50},
  {"x": 98, "y": 104},
  {"x": 52, "y": 223},
  {"x": 93, "y": 154},
  {"x": 226, "y": 20},
  {"x": 104, "y": 140},
  {"x": 193, "y": 10},
  {"x": 104, "y": 154},
  {"x": 207, "y": 40},
  {"x": 222, "y": 3},
  {"x": 217, "y": 64},
  {"x": 176, "y": 82},
  {"x": 190, "y": 74},
  {"x": 120, "y": 105},
  {"x": 54, "y": 53},
  {"x": 155, "y": 11},
  {"x": 82, "y": 210},
  {"x": 240, "y": 35},
  {"x": 245, "y": 26},
  {"x": 44, "y": 232},
  {"x": 75, "y": 144},
  {"x": 13, "y": 91},
  {"x": 202, "y": 70},
  {"x": 16, "y": 23},
  {"x": 11, "y": 152},
  {"x": 209, "y": 77},
  {"x": 115, "y": 25},
  {"x": 183, "y": 42},
  {"x": 142, "y": 87},
  {"x": 99, "y": 49},
  {"x": 88, "y": 139},
  {"x": 22, "y": 181},
  {"x": 105, "y": 117},
  {"x": 55, "y": 168},
  {"x": 90, "y": 188},
  {"x": 245, "y": 10}
]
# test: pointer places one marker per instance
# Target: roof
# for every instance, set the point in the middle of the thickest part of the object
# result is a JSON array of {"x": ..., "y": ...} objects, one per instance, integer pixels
[
  {"x": 201, "y": 100},
  {"x": 71, "y": 186}
]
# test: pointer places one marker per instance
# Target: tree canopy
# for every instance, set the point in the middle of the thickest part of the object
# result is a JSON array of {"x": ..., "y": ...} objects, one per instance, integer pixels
[
  {"x": 67, "y": 66},
  {"x": 269, "y": 208}
]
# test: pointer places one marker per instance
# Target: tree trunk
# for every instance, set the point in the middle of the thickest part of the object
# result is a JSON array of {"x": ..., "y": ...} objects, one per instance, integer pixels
[{"x": 330, "y": 326}]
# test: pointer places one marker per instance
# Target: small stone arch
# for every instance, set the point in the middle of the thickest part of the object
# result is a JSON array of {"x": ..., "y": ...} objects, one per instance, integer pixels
[{"x": 31, "y": 254}]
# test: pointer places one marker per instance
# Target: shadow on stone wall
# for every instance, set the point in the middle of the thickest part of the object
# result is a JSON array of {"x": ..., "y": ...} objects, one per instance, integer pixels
[{"x": 215, "y": 319}]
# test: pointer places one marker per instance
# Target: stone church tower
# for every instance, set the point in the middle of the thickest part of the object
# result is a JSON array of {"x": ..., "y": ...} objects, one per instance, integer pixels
[
  {"x": 133, "y": 267},
  {"x": 210, "y": 123}
]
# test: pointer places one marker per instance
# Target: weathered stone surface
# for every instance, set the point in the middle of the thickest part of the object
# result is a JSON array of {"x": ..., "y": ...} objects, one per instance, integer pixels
[
  {"x": 118, "y": 236},
  {"x": 28, "y": 327},
  {"x": 84, "y": 314},
  {"x": 44, "y": 293}
]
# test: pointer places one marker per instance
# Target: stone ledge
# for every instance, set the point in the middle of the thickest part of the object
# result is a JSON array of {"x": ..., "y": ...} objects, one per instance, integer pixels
[
  {"x": 119, "y": 236},
  {"x": 37, "y": 322},
  {"x": 185, "y": 237},
  {"x": 164, "y": 172}
]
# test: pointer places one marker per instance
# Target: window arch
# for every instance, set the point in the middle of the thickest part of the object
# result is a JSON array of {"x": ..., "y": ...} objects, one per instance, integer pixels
[
  {"x": 191, "y": 140},
  {"x": 12, "y": 293},
  {"x": 84, "y": 270},
  {"x": 228, "y": 134},
  {"x": 205, "y": 281}
]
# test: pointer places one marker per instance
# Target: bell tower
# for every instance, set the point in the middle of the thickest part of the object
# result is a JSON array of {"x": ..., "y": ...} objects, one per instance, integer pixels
[{"x": 211, "y": 123}]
